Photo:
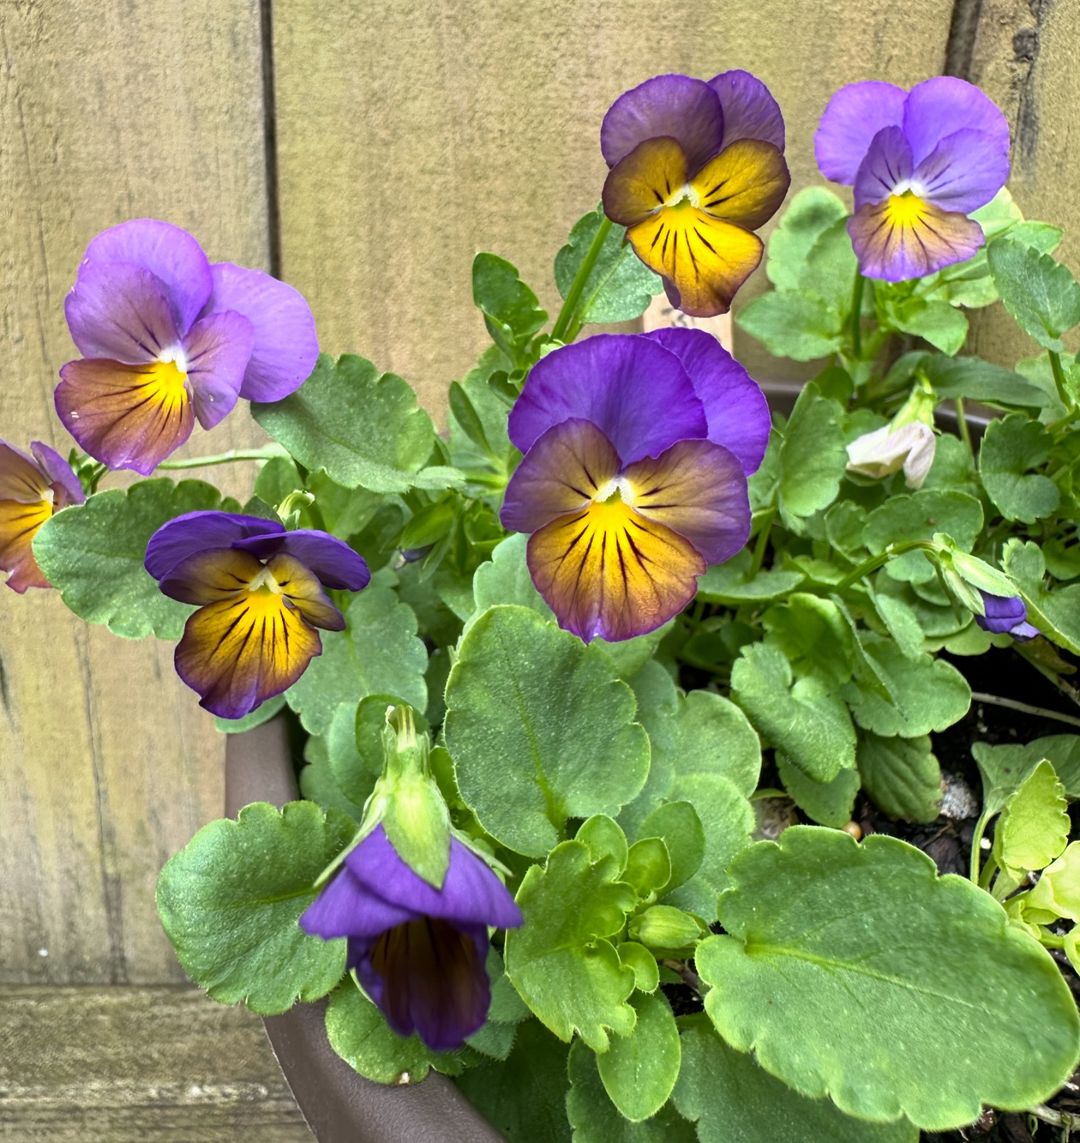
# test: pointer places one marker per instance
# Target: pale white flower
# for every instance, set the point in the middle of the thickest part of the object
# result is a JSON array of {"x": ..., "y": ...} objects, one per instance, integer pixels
[{"x": 887, "y": 450}]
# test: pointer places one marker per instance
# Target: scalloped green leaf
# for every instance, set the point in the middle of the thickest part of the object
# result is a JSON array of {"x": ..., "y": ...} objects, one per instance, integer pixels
[
  {"x": 639, "y": 1070},
  {"x": 93, "y": 554},
  {"x": 891, "y": 1002},
  {"x": 813, "y": 454},
  {"x": 901, "y": 776},
  {"x": 1034, "y": 824},
  {"x": 540, "y": 728},
  {"x": 1011, "y": 447},
  {"x": 1040, "y": 293},
  {"x": 230, "y": 901}
]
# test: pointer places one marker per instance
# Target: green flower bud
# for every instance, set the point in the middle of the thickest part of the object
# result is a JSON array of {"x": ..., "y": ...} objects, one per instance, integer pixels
[{"x": 663, "y": 928}]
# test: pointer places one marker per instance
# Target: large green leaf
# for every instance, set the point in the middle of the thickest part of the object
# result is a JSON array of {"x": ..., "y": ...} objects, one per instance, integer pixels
[
  {"x": 809, "y": 215},
  {"x": 540, "y": 729},
  {"x": 793, "y": 325},
  {"x": 230, "y": 901},
  {"x": 620, "y": 286},
  {"x": 377, "y": 654},
  {"x": 978, "y": 380},
  {"x": 560, "y": 960},
  {"x": 919, "y": 516},
  {"x": 1040, "y": 293},
  {"x": 944, "y": 326},
  {"x": 858, "y": 972},
  {"x": 639, "y": 1070},
  {"x": 363, "y": 427},
  {"x": 1011, "y": 447},
  {"x": 732, "y": 1100},
  {"x": 813, "y": 455},
  {"x": 93, "y": 553}
]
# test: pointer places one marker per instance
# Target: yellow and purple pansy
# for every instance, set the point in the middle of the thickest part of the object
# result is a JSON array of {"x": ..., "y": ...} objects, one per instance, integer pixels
[
  {"x": 32, "y": 488},
  {"x": 167, "y": 337},
  {"x": 261, "y": 597},
  {"x": 920, "y": 162},
  {"x": 634, "y": 479},
  {"x": 696, "y": 167}
]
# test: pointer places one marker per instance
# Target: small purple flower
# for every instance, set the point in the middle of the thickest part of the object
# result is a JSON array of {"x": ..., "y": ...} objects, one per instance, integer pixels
[
  {"x": 634, "y": 480},
  {"x": 1006, "y": 615},
  {"x": 32, "y": 488},
  {"x": 695, "y": 168},
  {"x": 920, "y": 162},
  {"x": 418, "y": 952},
  {"x": 168, "y": 338},
  {"x": 261, "y": 597}
]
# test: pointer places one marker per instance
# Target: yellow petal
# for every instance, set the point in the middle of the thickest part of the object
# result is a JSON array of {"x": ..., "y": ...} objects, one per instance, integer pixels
[
  {"x": 744, "y": 184},
  {"x": 644, "y": 180}
]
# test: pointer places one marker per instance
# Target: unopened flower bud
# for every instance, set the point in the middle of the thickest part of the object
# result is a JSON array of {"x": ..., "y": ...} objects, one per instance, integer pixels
[
  {"x": 663, "y": 928},
  {"x": 888, "y": 449}
]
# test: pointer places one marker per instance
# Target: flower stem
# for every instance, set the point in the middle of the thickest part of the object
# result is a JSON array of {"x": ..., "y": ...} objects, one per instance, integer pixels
[
  {"x": 689, "y": 977},
  {"x": 1059, "y": 381},
  {"x": 1027, "y": 708},
  {"x": 268, "y": 452},
  {"x": 874, "y": 562},
  {"x": 581, "y": 278},
  {"x": 856, "y": 315},
  {"x": 962, "y": 425},
  {"x": 762, "y": 542}
]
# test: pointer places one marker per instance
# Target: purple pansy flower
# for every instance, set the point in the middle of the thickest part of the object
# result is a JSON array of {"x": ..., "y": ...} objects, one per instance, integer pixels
[
  {"x": 634, "y": 480},
  {"x": 696, "y": 167},
  {"x": 418, "y": 952},
  {"x": 261, "y": 597},
  {"x": 1006, "y": 615},
  {"x": 920, "y": 162},
  {"x": 168, "y": 338},
  {"x": 32, "y": 488}
]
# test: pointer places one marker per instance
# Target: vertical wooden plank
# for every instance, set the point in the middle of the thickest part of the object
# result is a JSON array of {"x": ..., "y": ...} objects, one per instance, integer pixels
[
  {"x": 107, "y": 111},
  {"x": 411, "y": 136}
]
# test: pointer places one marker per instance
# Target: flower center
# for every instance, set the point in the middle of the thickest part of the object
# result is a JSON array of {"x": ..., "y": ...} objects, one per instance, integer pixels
[
  {"x": 264, "y": 581},
  {"x": 166, "y": 378},
  {"x": 613, "y": 492},
  {"x": 682, "y": 198},
  {"x": 905, "y": 209}
]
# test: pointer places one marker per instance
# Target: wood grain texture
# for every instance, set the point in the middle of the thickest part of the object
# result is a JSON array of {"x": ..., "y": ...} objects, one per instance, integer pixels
[
  {"x": 82, "y": 1065},
  {"x": 411, "y": 136},
  {"x": 107, "y": 111}
]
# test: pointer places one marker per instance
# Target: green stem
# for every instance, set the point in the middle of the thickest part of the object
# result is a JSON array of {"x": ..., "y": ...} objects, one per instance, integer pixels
[
  {"x": 962, "y": 425},
  {"x": 874, "y": 562},
  {"x": 856, "y": 315},
  {"x": 581, "y": 278},
  {"x": 976, "y": 844},
  {"x": 1027, "y": 708},
  {"x": 762, "y": 542},
  {"x": 1059, "y": 381},
  {"x": 269, "y": 452}
]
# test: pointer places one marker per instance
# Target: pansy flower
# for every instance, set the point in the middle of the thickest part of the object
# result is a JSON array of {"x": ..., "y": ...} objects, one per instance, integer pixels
[
  {"x": 168, "y": 338},
  {"x": 696, "y": 167},
  {"x": 920, "y": 163},
  {"x": 32, "y": 488},
  {"x": 419, "y": 952},
  {"x": 261, "y": 597},
  {"x": 637, "y": 452},
  {"x": 1006, "y": 615}
]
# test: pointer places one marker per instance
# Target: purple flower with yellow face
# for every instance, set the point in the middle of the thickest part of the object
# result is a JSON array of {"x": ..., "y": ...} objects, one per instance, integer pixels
[
  {"x": 1006, "y": 615},
  {"x": 261, "y": 598},
  {"x": 418, "y": 952},
  {"x": 168, "y": 338},
  {"x": 920, "y": 163},
  {"x": 637, "y": 452},
  {"x": 32, "y": 488},
  {"x": 696, "y": 167}
]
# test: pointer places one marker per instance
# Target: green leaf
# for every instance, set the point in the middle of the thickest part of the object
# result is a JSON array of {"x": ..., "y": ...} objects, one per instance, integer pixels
[
  {"x": 920, "y": 516},
  {"x": 540, "y": 729},
  {"x": 808, "y": 722},
  {"x": 829, "y": 269},
  {"x": 363, "y": 427},
  {"x": 336, "y": 776},
  {"x": 978, "y": 380},
  {"x": 901, "y": 776},
  {"x": 258, "y": 716},
  {"x": 358, "y": 1032},
  {"x": 560, "y": 960},
  {"x": 814, "y": 636},
  {"x": 1058, "y": 889},
  {"x": 937, "y": 322},
  {"x": 889, "y": 1003},
  {"x": 639, "y": 1070},
  {"x": 732, "y": 1100},
  {"x": 93, "y": 554},
  {"x": 231, "y": 899},
  {"x": 678, "y": 824},
  {"x": 813, "y": 455},
  {"x": 1004, "y": 768},
  {"x": 828, "y": 803},
  {"x": 642, "y": 964},
  {"x": 731, "y": 582},
  {"x": 794, "y": 325},
  {"x": 620, "y": 286},
  {"x": 809, "y": 215},
  {"x": 1034, "y": 826},
  {"x": 604, "y": 838},
  {"x": 1041, "y": 294},
  {"x": 378, "y": 653},
  {"x": 648, "y": 866},
  {"x": 465, "y": 414},
  {"x": 511, "y": 311},
  {"x": 1056, "y": 613},
  {"x": 595, "y": 1119},
  {"x": 925, "y": 694},
  {"x": 1010, "y": 449}
]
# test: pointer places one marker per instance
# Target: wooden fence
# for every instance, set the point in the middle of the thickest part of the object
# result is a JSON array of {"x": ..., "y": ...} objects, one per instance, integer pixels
[{"x": 364, "y": 150}]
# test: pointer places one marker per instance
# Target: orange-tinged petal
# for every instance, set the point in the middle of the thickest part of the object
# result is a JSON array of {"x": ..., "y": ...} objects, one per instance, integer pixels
[
  {"x": 239, "y": 652},
  {"x": 706, "y": 259},
  {"x": 744, "y": 184},
  {"x": 211, "y": 576},
  {"x": 304, "y": 592},
  {"x": 609, "y": 571},
  {"x": 19, "y": 523},
  {"x": 906, "y": 237},
  {"x": 644, "y": 180}
]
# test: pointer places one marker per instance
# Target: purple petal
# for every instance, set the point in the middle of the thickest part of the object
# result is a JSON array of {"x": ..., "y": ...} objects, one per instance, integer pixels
[
  {"x": 331, "y": 559},
  {"x": 855, "y": 114},
  {"x": 735, "y": 407},
  {"x": 749, "y": 110},
  {"x": 964, "y": 171},
  {"x": 346, "y": 908},
  {"x": 120, "y": 311},
  {"x": 285, "y": 347},
  {"x": 687, "y": 110},
  {"x": 895, "y": 247},
  {"x": 631, "y": 388},
  {"x": 886, "y": 167},
  {"x": 941, "y": 106},
  {"x": 196, "y": 531},
  {"x": 1003, "y": 613},
  {"x": 217, "y": 350},
  {"x": 172, "y": 255},
  {"x": 65, "y": 483}
]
